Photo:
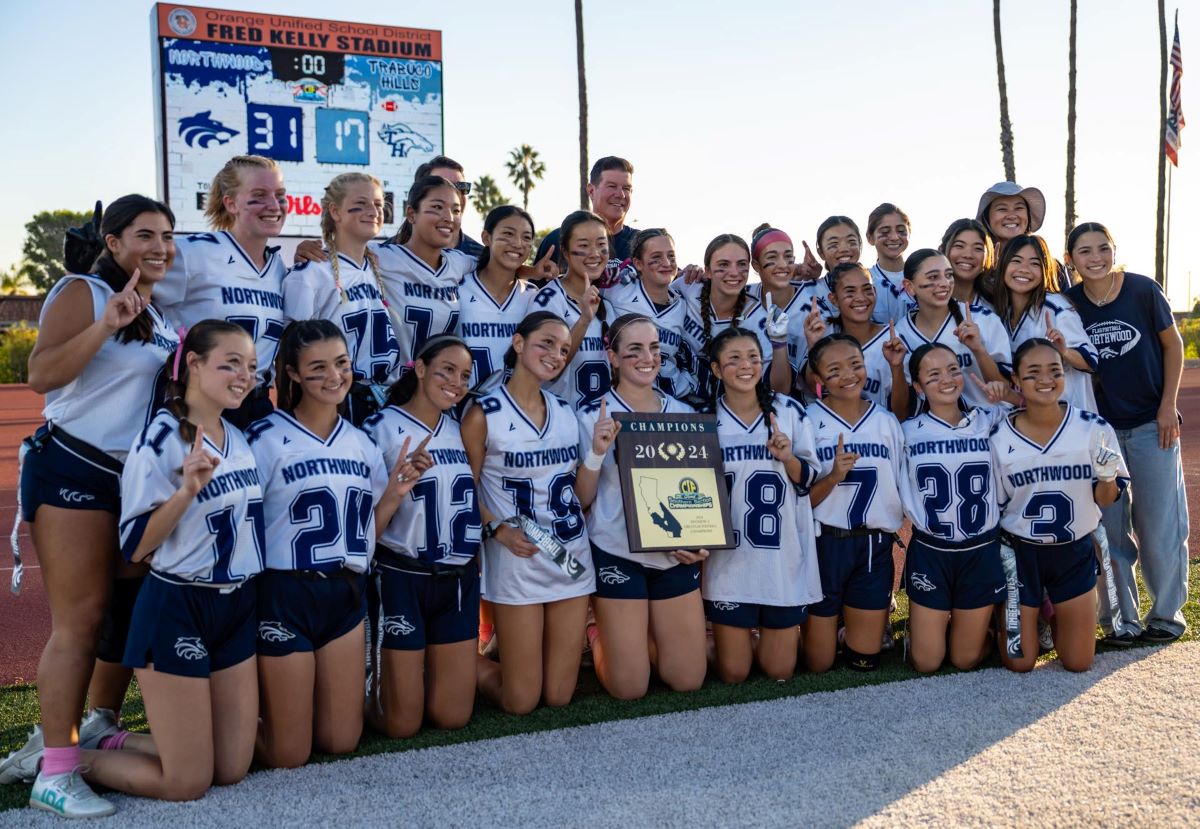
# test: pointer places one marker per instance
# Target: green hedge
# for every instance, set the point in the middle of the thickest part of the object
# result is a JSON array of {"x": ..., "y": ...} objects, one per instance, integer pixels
[{"x": 15, "y": 344}]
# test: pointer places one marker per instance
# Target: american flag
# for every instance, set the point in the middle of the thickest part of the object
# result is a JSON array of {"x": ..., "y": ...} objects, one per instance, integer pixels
[{"x": 1175, "y": 122}]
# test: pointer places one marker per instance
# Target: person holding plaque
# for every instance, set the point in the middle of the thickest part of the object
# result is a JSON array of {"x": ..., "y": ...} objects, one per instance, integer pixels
[
  {"x": 523, "y": 446},
  {"x": 636, "y": 592},
  {"x": 770, "y": 575}
]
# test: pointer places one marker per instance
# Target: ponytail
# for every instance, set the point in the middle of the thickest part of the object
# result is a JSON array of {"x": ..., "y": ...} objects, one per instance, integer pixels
[
  {"x": 200, "y": 340},
  {"x": 403, "y": 389}
]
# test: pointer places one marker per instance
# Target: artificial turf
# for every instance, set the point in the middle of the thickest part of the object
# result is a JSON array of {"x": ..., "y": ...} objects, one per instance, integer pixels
[{"x": 19, "y": 707}]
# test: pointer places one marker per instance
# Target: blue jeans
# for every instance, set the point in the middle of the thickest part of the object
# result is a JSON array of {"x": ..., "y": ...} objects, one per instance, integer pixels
[{"x": 1148, "y": 525}]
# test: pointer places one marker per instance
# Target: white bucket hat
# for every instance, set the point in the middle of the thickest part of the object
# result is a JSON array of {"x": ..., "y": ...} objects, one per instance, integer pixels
[{"x": 1033, "y": 199}]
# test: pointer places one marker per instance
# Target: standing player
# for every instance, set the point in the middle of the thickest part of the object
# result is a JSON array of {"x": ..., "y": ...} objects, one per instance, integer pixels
[
  {"x": 192, "y": 504},
  {"x": 774, "y": 260},
  {"x": 1057, "y": 467},
  {"x": 974, "y": 333},
  {"x": 575, "y": 298},
  {"x": 523, "y": 446},
  {"x": 231, "y": 274},
  {"x": 952, "y": 569},
  {"x": 766, "y": 581},
  {"x": 650, "y": 294},
  {"x": 426, "y": 561},
  {"x": 888, "y": 229},
  {"x": 856, "y": 499},
  {"x": 969, "y": 249},
  {"x": 852, "y": 295},
  {"x": 641, "y": 598},
  {"x": 493, "y": 299},
  {"x": 344, "y": 288},
  {"x": 1027, "y": 304},
  {"x": 325, "y": 491},
  {"x": 98, "y": 359},
  {"x": 1141, "y": 364}
]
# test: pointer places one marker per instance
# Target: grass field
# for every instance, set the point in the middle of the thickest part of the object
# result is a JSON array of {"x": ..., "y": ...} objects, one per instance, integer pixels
[{"x": 19, "y": 708}]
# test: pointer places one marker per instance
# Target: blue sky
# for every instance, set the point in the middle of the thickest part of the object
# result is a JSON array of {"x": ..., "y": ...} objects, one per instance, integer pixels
[{"x": 733, "y": 115}]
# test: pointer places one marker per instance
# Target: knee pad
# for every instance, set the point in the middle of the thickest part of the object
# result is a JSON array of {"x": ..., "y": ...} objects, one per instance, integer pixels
[
  {"x": 114, "y": 628},
  {"x": 856, "y": 661}
]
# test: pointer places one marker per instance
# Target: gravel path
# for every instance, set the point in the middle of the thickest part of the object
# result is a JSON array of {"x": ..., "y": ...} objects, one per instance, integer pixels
[{"x": 1119, "y": 745}]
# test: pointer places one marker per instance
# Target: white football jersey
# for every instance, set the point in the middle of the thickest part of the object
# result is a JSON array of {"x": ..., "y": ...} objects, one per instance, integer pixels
[
  {"x": 1046, "y": 491},
  {"x": 118, "y": 391},
  {"x": 870, "y": 494},
  {"x": 892, "y": 302},
  {"x": 213, "y": 278},
  {"x": 606, "y": 515},
  {"x": 438, "y": 522},
  {"x": 774, "y": 561},
  {"x": 319, "y": 495},
  {"x": 309, "y": 292},
  {"x": 753, "y": 317},
  {"x": 675, "y": 377},
  {"x": 530, "y": 471},
  {"x": 992, "y": 332},
  {"x": 220, "y": 539},
  {"x": 1077, "y": 389},
  {"x": 423, "y": 301},
  {"x": 949, "y": 489},
  {"x": 878, "y": 388},
  {"x": 586, "y": 378},
  {"x": 488, "y": 325}
]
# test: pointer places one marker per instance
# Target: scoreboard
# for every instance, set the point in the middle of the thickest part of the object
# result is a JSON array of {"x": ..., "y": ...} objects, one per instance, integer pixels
[{"x": 320, "y": 97}]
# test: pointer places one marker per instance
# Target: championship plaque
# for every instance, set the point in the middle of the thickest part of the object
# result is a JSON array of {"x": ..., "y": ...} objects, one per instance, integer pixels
[{"x": 672, "y": 482}]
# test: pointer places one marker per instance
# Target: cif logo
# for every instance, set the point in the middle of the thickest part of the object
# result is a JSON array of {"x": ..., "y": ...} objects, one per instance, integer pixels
[
  {"x": 688, "y": 486},
  {"x": 201, "y": 130},
  {"x": 182, "y": 22},
  {"x": 403, "y": 140},
  {"x": 310, "y": 91}
]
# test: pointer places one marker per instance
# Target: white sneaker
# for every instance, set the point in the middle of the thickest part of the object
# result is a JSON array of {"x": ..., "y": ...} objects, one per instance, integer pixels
[
  {"x": 21, "y": 766},
  {"x": 68, "y": 795},
  {"x": 98, "y": 724}
]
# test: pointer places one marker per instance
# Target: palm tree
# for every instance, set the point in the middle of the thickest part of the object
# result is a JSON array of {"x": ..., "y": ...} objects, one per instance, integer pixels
[
  {"x": 14, "y": 282},
  {"x": 583, "y": 151},
  {"x": 1006, "y": 136},
  {"x": 524, "y": 169},
  {"x": 486, "y": 195},
  {"x": 1070, "y": 216}
]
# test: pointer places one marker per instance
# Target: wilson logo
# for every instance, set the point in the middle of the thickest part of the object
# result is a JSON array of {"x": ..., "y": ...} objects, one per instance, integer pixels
[{"x": 190, "y": 648}]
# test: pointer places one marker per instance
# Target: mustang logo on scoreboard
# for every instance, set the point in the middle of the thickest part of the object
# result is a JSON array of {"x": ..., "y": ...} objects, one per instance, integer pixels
[
  {"x": 201, "y": 130},
  {"x": 402, "y": 140}
]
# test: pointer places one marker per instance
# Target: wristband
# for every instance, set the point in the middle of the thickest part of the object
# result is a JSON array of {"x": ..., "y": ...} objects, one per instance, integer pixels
[
  {"x": 779, "y": 343},
  {"x": 593, "y": 461}
]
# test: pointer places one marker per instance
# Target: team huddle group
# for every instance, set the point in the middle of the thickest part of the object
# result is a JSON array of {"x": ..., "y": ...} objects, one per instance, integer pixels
[{"x": 433, "y": 481}]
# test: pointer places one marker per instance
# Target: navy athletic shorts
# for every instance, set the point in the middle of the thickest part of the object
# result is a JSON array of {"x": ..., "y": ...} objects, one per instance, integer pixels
[
  {"x": 190, "y": 630},
  {"x": 621, "y": 578},
  {"x": 301, "y": 612},
  {"x": 750, "y": 615},
  {"x": 419, "y": 609},
  {"x": 943, "y": 575},
  {"x": 1064, "y": 571},
  {"x": 62, "y": 471},
  {"x": 856, "y": 571}
]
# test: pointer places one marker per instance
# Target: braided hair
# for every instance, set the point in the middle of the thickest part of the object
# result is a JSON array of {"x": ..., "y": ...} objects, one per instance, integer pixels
[
  {"x": 335, "y": 193},
  {"x": 706, "y": 290},
  {"x": 762, "y": 392},
  {"x": 201, "y": 339},
  {"x": 85, "y": 251}
]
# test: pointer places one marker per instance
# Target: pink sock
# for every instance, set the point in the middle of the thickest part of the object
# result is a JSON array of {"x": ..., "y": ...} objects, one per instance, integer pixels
[
  {"x": 114, "y": 742},
  {"x": 60, "y": 760}
]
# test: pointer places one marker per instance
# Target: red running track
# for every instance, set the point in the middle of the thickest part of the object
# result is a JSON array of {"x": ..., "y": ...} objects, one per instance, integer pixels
[{"x": 25, "y": 619}]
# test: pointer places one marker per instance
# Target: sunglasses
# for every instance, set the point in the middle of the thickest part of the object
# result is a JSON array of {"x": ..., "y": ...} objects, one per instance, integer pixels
[{"x": 463, "y": 187}]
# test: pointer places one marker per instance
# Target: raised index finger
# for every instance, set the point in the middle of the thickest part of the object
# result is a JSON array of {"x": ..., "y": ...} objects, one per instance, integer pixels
[
  {"x": 967, "y": 318},
  {"x": 841, "y": 442},
  {"x": 891, "y": 329},
  {"x": 549, "y": 257},
  {"x": 603, "y": 408},
  {"x": 198, "y": 443},
  {"x": 1049, "y": 320},
  {"x": 421, "y": 446},
  {"x": 978, "y": 382},
  {"x": 768, "y": 297},
  {"x": 133, "y": 280}
]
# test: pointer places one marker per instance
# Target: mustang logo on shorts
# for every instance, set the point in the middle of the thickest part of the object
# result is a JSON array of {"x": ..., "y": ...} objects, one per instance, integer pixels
[
  {"x": 397, "y": 626},
  {"x": 190, "y": 647},
  {"x": 726, "y": 605},
  {"x": 922, "y": 582},
  {"x": 72, "y": 496},
  {"x": 274, "y": 632},
  {"x": 612, "y": 575}
]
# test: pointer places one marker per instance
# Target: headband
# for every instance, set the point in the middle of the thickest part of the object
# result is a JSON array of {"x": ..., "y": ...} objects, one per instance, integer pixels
[{"x": 769, "y": 236}]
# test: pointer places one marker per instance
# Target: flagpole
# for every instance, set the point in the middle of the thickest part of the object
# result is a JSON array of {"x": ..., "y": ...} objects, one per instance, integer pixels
[
  {"x": 1167, "y": 243},
  {"x": 1160, "y": 205}
]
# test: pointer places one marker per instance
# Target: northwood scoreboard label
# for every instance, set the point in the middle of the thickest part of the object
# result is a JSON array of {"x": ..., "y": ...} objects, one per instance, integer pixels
[{"x": 320, "y": 97}]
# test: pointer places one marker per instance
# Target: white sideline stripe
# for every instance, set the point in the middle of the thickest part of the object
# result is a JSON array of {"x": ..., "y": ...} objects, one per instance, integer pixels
[{"x": 1120, "y": 741}]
